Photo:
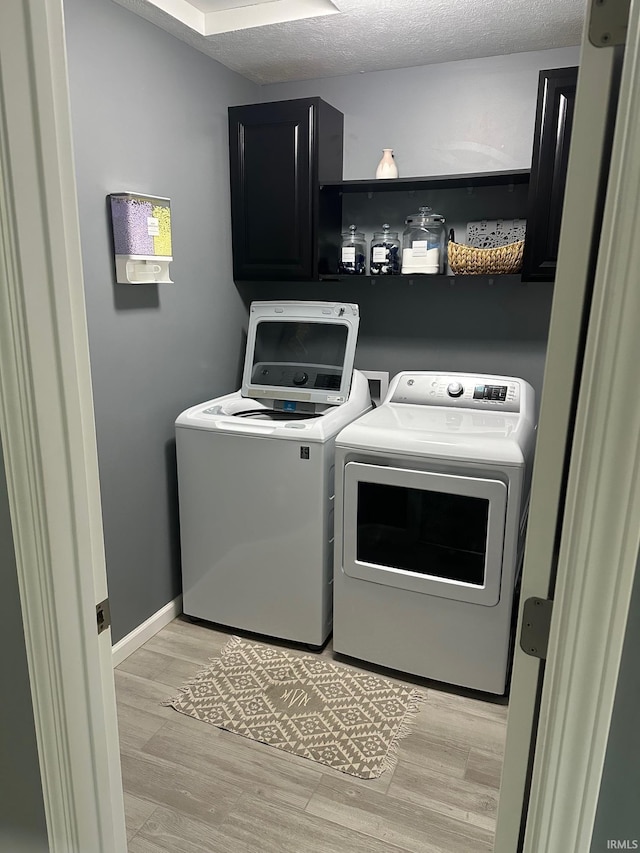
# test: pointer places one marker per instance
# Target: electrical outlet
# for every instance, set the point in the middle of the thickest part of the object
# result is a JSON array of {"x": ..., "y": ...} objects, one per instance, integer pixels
[{"x": 378, "y": 384}]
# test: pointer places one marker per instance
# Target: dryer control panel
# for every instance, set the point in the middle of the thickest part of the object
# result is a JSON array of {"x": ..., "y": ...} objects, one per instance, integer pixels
[{"x": 456, "y": 390}]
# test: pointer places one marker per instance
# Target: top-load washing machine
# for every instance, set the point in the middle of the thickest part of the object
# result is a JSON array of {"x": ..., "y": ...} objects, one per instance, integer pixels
[
  {"x": 431, "y": 504},
  {"x": 256, "y": 475}
]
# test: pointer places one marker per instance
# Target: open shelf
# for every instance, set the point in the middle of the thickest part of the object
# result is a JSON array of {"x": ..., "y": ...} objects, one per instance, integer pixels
[
  {"x": 460, "y": 199},
  {"x": 420, "y": 279},
  {"x": 478, "y": 179}
]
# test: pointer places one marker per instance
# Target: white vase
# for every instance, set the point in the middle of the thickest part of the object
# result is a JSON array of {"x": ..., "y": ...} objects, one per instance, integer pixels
[{"x": 387, "y": 167}]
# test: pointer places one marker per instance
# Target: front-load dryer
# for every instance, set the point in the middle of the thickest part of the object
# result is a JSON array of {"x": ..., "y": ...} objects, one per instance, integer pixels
[
  {"x": 256, "y": 475},
  {"x": 431, "y": 505}
]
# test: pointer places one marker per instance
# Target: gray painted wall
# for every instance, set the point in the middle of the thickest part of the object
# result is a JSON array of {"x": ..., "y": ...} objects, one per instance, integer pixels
[
  {"x": 150, "y": 115},
  {"x": 457, "y": 117},
  {"x": 468, "y": 327},
  {"x": 22, "y": 821},
  {"x": 617, "y": 816}
]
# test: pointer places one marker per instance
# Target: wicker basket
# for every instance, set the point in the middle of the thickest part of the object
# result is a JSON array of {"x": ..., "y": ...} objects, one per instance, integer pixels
[{"x": 503, "y": 260}]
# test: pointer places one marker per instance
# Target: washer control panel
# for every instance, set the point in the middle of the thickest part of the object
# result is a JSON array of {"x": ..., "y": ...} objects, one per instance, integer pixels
[{"x": 457, "y": 390}]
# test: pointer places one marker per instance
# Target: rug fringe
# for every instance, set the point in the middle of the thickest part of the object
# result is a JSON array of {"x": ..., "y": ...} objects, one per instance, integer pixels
[
  {"x": 228, "y": 647},
  {"x": 416, "y": 700},
  {"x": 184, "y": 689}
]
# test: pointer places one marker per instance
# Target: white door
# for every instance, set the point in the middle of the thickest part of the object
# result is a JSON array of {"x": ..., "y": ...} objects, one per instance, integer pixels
[
  {"x": 585, "y": 502},
  {"x": 47, "y": 428}
]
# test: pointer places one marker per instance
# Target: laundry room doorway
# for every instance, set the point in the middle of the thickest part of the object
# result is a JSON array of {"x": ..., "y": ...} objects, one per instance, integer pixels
[
  {"x": 50, "y": 461},
  {"x": 48, "y": 438}
]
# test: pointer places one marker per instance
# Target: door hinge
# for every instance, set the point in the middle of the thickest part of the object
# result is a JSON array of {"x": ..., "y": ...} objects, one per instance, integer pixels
[
  {"x": 536, "y": 623},
  {"x": 103, "y": 615},
  {"x": 608, "y": 22}
]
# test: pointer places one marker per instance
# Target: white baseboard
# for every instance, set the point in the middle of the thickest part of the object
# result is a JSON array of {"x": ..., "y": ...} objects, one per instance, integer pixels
[{"x": 139, "y": 636}]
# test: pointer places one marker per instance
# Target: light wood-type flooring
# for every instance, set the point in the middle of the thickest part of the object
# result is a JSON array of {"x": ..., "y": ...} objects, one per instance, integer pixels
[{"x": 193, "y": 788}]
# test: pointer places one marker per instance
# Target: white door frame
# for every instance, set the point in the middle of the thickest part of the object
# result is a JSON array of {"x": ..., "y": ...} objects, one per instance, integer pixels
[
  {"x": 48, "y": 435},
  {"x": 600, "y": 536},
  {"x": 572, "y": 282},
  {"x": 601, "y": 532},
  {"x": 47, "y": 428}
]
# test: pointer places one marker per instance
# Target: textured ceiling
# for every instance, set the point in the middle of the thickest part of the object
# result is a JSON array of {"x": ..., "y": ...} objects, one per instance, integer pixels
[{"x": 377, "y": 35}]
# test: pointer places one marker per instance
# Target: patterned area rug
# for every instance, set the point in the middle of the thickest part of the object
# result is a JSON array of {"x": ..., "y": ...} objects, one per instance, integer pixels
[{"x": 346, "y": 719}]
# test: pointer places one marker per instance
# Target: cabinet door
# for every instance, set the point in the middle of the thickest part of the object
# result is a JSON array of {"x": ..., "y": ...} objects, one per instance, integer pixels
[
  {"x": 554, "y": 117},
  {"x": 272, "y": 180}
]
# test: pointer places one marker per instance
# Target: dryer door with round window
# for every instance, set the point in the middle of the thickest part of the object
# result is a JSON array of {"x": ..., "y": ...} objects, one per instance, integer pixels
[{"x": 439, "y": 534}]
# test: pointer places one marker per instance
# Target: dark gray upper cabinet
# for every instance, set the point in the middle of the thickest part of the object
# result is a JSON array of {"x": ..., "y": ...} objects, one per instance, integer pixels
[
  {"x": 554, "y": 117},
  {"x": 280, "y": 152}
]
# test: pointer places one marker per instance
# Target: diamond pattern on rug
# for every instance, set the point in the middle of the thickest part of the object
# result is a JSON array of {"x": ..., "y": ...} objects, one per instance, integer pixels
[{"x": 351, "y": 721}]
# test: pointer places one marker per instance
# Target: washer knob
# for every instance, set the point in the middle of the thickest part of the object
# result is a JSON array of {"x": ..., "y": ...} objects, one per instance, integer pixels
[
  {"x": 455, "y": 389},
  {"x": 300, "y": 378}
]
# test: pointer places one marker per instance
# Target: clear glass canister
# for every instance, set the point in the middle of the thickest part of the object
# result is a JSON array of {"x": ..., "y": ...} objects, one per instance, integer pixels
[
  {"x": 353, "y": 252},
  {"x": 423, "y": 243},
  {"x": 385, "y": 252}
]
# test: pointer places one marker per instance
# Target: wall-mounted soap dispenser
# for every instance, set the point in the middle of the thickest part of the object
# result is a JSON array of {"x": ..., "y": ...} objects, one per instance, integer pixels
[{"x": 141, "y": 237}]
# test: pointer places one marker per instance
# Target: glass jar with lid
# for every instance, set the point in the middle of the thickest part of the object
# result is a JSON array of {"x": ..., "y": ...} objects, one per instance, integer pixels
[
  {"x": 385, "y": 252},
  {"x": 423, "y": 243},
  {"x": 352, "y": 253}
]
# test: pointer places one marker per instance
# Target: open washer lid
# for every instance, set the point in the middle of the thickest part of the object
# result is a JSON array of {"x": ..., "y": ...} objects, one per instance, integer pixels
[{"x": 300, "y": 351}]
